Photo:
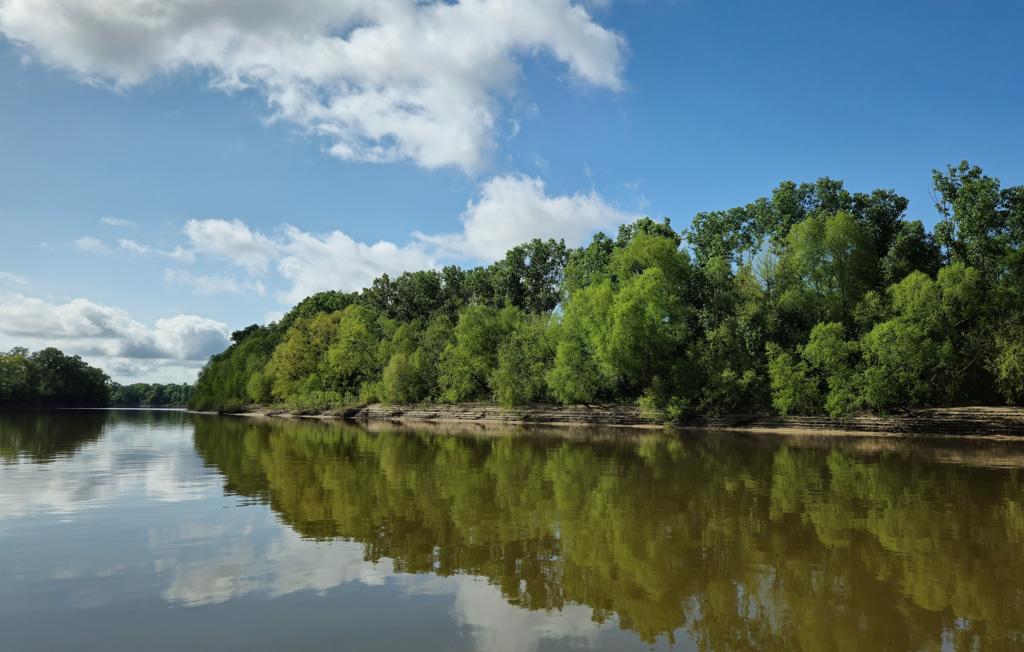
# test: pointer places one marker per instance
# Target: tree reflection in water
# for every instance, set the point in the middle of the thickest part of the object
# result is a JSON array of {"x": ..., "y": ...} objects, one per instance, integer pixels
[{"x": 743, "y": 544}]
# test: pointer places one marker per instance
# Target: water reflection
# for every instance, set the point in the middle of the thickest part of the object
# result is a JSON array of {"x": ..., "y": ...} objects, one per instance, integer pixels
[
  {"x": 305, "y": 534},
  {"x": 66, "y": 462},
  {"x": 732, "y": 544},
  {"x": 44, "y": 436}
]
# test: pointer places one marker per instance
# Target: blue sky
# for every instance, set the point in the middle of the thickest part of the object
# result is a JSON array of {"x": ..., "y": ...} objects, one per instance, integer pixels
[{"x": 166, "y": 180}]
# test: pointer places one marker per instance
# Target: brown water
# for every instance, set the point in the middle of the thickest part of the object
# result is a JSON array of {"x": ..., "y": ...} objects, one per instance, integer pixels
[{"x": 166, "y": 531}]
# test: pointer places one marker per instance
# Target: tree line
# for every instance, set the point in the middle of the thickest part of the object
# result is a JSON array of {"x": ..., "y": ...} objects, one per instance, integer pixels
[
  {"x": 49, "y": 378},
  {"x": 811, "y": 300},
  {"x": 159, "y": 395}
]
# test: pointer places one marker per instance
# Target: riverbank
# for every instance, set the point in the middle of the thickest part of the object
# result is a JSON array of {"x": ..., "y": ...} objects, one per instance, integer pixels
[{"x": 959, "y": 421}]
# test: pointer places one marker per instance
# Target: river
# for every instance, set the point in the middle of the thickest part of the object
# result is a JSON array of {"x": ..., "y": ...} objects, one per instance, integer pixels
[{"x": 149, "y": 530}]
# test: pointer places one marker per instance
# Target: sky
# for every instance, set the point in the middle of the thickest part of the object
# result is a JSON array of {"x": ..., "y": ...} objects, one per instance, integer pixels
[{"x": 173, "y": 170}]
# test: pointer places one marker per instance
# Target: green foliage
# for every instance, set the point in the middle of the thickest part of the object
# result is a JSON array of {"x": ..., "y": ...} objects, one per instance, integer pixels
[
  {"x": 354, "y": 353},
  {"x": 814, "y": 299},
  {"x": 469, "y": 360},
  {"x": 981, "y": 221},
  {"x": 794, "y": 390},
  {"x": 827, "y": 265},
  {"x": 586, "y": 265},
  {"x": 575, "y": 377},
  {"x": 260, "y": 387},
  {"x": 299, "y": 363},
  {"x": 1007, "y": 361},
  {"x": 529, "y": 277},
  {"x": 834, "y": 359},
  {"x": 400, "y": 383},
  {"x": 49, "y": 378},
  {"x": 524, "y": 358},
  {"x": 151, "y": 395},
  {"x": 902, "y": 365},
  {"x": 223, "y": 384},
  {"x": 912, "y": 250}
]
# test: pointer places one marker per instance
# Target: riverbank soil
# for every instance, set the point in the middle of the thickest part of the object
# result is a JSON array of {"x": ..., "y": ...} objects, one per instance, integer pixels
[{"x": 959, "y": 421}]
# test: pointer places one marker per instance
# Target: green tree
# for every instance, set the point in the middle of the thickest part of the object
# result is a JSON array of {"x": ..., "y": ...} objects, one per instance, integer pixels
[
  {"x": 1007, "y": 361},
  {"x": 827, "y": 265},
  {"x": 524, "y": 359},
  {"x": 911, "y": 249},
  {"x": 794, "y": 389},
  {"x": 17, "y": 377},
  {"x": 529, "y": 277},
  {"x": 980, "y": 225},
  {"x": 813, "y": 298},
  {"x": 835, "y": 359},
  {"x": 354, "y": 353},
  {"x": 469, "y": 360},
  {"x": 298, "y": 365}
]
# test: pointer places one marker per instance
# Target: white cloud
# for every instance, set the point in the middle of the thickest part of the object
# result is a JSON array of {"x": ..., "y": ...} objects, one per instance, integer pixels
[
  {"x": 117, "y": 222},
  {"x": 284, "y": 565},
  {"x": 189, "y": 337},
  {"x": 377, "y": 80},
  {"x": 132, "y": 246},
  {"x": 232, "y": 241},
  {"x": 92, "y": 245},
  {"x": 137, "y": 248},
  {"x": 179, "y": 253},
  {"x": 202, "y": 284},
  {"x": 510, "y": 210},
  {"x": 229, "y": 563},
  {"x": 109, "y": 338},
  {"x": 515, "y": 209},
  {"x": 166, "y": 469},
  {"x": 310, "y": 262},
  {"x": 12, "y": 279},
  {"x": 337, "y": 262}
]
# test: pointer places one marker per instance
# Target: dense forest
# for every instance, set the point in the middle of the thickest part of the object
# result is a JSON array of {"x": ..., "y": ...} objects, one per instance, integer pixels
[
  {"x": 49, "y": 378},
  {"x": 812, "y": 300}
]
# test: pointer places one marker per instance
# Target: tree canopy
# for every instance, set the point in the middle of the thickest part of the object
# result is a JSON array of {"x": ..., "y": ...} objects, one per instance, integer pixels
[
  {"x": 812, "y": 299},
  {"x": 51, "y": 379}
]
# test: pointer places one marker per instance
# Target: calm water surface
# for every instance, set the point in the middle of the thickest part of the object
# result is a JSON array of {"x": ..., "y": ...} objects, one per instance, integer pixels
[{"x": 167, "y": 531}]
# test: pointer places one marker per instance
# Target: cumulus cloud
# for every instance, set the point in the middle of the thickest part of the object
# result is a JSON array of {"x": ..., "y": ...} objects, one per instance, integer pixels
[
  {"x": 232, "y": 241},
  {"x": 309, "y": 262},
  {"x": 509, "y": 210},
  {"x": 377, "y": 80},
  {"x": 108, "y": 337},
  {"x": 203, "y": 284},
  {"x": 515, "y": 209},
  {"x": 189, "y": 337},
  {"x": 92, "y": 245},
  {"x": 337, "y": 262}
]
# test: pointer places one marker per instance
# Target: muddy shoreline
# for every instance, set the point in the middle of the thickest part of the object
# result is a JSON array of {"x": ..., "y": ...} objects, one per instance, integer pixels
[{"x": 971, "y": 422}]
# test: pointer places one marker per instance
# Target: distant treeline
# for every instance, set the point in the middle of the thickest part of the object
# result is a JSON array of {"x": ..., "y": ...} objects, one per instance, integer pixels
[
  {"x": 150, "y": 395},
  {"x": 812, "y": 300},
  {"x": 49, "y": 378}
]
